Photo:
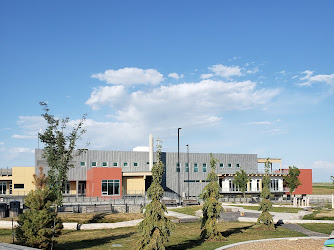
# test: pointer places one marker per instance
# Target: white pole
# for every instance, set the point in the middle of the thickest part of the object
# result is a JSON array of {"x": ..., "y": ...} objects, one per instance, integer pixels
[{"x": 332, "y": 200}]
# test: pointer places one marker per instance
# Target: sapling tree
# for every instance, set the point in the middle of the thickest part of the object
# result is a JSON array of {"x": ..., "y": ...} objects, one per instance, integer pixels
[
  {"x": 241, "y": 180},
  {"x": 265, "y": 219},
  {"x": 156, "y": 228},
  {"x": 292, "y": 180},
  {"x": 38, "y": 226},
  {"x": 211, "y": 207},
  {"x": 59, "y": 146}
]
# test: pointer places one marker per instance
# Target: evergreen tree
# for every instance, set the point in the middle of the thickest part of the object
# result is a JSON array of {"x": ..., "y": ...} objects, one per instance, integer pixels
[
  {"x": 58, "y": 150},
  {"x": 266, "y": 220},
  {"x": 39, "y": 224},
  {"x": 156, "y": 228},
  {"x": 240, "y": 180},
  {"x": 211, "y": 207},
  {"x": 292, "y": 180}
]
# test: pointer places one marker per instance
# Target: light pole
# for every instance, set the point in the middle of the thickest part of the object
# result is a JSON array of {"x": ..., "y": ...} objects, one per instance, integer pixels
[
  {"x": 178, "y": 164},
  {"x": 188, "y": 168}
]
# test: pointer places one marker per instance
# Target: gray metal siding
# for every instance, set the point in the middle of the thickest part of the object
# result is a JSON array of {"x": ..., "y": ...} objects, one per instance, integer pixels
[{"x": 248, "y": 162}]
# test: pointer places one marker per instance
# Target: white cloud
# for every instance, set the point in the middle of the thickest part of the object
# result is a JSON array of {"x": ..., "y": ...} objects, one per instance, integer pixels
[
  {"x": 29, "y": 127},
  {"x": 309, "y": 79},
  {"x": 130, "y": 76},
  {"x": 206, "y": 76},
  {"x": 226, "y": 71},
  {"x": 175, "y": 76},
  {"x": 276, "y": 131},
  {"x": 259, "y": 123},
  {"x": 323, "y": 165},
  {"x": 21, "y": 150},
  {"x": 187, "y": 104},
  {"x": 2, "y": 143},
  {"x": 252, "y": 71}
]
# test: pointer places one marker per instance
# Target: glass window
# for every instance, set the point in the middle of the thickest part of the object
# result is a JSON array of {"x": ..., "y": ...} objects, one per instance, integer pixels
[
  {"x": 135, "y": 164},
  {"x": 105, "y": 164},
  {"x": 237, "y": 165},
  {"x": 18, "y": 185},
  {"x": 221, "y": 165},
  {"x": 148, "y": 163},
  {"x": 3, "y": 187},
  {"x": 110, "y": 187},
  {"x": 187, "y": 167},
  {"x": 195, "y": 167},
  {"x": 115, "y": 164},
  {"x": 204, "y": 167},
  {"x": 177, "y": 167},
  {"x": 125, "y": 164},
  {"x": 83, "y": 164},
  {"x": 229, "y": 165},
  {"x": 93, "y": 163}
]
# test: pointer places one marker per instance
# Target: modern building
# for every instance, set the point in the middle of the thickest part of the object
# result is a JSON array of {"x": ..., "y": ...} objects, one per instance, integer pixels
[{"x": 113, "y": 174}]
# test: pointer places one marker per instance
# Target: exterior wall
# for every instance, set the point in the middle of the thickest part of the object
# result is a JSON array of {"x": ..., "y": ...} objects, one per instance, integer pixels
[
  {"x": 305, "y": 179},
  {"x": 23, "y": 175},
  {"x": 134, "y": 185},
  {"x": 95, "y": 177}
]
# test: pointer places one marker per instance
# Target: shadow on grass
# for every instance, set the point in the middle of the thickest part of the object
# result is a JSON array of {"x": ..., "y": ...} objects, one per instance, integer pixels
[
  {"x": 97, "y": 218},
  {"x": 82, "y": 244},
  {"x": 227, "y": 233},
  {"x": 187, "y": 244}
]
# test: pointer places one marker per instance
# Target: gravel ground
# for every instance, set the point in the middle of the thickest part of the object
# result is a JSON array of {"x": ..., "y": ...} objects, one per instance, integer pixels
[{"x": 305, "y": 244}]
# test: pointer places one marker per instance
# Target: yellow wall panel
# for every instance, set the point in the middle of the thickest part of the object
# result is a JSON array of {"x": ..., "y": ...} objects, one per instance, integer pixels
[
  {"x": 23, "y": 175},
  {"x": 133, "y": 185},
  {"x": 73, "y": 189}
]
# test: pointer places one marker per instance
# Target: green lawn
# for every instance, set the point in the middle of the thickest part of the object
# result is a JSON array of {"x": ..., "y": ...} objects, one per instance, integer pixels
[
  {"x": 319, "y": 227},
  {"x": 273, "y": 209},
  {"x": 191, "y": 210},
  {"x": 323, "y": 188},
  {"x": 185, "y": 236}
]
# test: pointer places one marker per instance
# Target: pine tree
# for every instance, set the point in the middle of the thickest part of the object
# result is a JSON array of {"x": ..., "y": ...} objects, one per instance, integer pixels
[
  {"x": 240, "y": 180},
  {"x": 156, "y": 228},
  {"x": 211, "y": 207},
  {"x": 39, "y": 224},
  {"x": 266, "y": 220}
]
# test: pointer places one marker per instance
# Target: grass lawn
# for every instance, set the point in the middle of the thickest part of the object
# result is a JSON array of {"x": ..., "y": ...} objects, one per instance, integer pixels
[
  {"x": 95, "y": 217},
  {"x": 323, "y": 188},
  {"x": 274, "y": 209},
  {"x": 191, "y": 210},
  {"x": 320, "y": 214},
  {"x": 185, "y": 236},
  {"x": 319, "y": 227}
]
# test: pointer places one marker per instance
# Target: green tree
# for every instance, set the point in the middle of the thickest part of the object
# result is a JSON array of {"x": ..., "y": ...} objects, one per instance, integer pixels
[
  {"x": 265, "y": 219},
  {"x": 39, "y": 224},
  {"x": 240, "y": 180},
  {"x": 292, "y": 180},
  {"x": 211, "y": 207},
  {"x": 59, "y": 149},
  {"x": 156, "y": 228}
]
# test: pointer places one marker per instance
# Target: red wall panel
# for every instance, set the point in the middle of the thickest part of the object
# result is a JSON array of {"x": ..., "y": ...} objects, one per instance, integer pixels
[
  {"x": 305, "y": 179},
  {"x": 95, "y": 177}
]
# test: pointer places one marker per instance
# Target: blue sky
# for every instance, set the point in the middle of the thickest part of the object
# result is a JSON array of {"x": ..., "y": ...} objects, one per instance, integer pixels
[{"x": 237, "y": 76}]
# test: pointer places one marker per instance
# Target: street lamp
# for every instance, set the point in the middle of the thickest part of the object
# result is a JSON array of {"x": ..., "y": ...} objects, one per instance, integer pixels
[
  {"x": 178, "y": 164},
  {"x": 188, "y": 168}
]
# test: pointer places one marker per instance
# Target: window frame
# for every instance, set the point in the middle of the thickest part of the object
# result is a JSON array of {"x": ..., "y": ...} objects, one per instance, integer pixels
[{"x": 195, "y": 167}]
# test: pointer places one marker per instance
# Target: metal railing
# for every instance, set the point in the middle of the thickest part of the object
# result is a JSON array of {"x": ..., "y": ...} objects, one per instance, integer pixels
[{"x": 5, "y": 171}]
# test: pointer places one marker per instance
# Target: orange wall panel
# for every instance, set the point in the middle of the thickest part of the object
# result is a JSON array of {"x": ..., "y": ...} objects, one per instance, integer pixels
[
  {"x": 95, "y": 177},
  {"x": 305, "y": 179}
]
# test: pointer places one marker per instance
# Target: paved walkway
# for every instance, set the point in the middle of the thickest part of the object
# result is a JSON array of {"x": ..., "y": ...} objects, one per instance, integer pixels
[{"x": 298, "y": 228}]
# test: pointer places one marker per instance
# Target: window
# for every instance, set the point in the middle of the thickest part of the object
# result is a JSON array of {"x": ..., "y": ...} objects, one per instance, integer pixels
[
  {"x": 125, "y": 164},
  {"x": 148, "y": 163},
  {"x": 257, "y": 185},
  {"x": 232, "y": 186},
  {"x": 105, "y": 164},
  {"x": 83, "y": 164},
  {"x": 93, "y": 163},
  {"x": 229, "y": 165},
  {"x": 110, "y": 187},
  {"x": 195, "y": 167},
  {"x": 221, "y": 165},
  {"x": 204, "y": 167},
  {"x": 115, "y": 164},
  {"x": 3, "y": 187},
  {"x": 135, "y": 164},
  {"x": 237, "y": 165},
  {"x": 187, "y": 167},
  {"x": 273, "y": 185},
  {"x": 67, "y": 188},
  {"x": 177, "y": 167},
  {"x": 19, "y": 186}
]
